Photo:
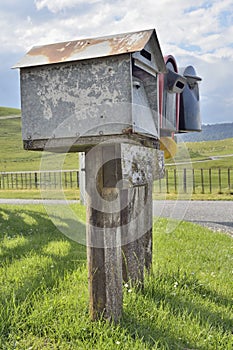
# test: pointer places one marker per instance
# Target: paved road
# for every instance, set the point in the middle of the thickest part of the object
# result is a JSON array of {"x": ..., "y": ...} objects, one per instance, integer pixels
[
  {"x": 217, "y": 215},
  {"x": 11, "y": 116}
]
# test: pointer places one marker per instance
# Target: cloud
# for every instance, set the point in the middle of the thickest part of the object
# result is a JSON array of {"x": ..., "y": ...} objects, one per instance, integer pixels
[
  {"x": 197, "y": 32},
  {"x": 59, "y": 5}
]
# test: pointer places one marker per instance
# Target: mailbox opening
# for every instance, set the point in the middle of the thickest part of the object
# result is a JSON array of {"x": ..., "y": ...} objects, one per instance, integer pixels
[{"x": 146, "y": 54}]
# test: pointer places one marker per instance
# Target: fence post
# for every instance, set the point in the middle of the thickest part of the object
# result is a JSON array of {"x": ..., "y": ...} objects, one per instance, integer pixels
[
  {"x": 65, "y": 176},
  {"x": 202, "y": 182},
  {"x": 36, "y": 180},
  {"x": 30, "y": 180},
  {"x": 7, "y": 181},
  {"x": 12, "y": 181},
  {"x": 167, "y": 181},
  {"x": 229, "y": 178},
  {"x": 25, "y": 180},
  {"x": 21, "y": 178},
  {"x": 220, "y": 180},
  {"x": 194, "y": 184},
  {"x": 71, "y": 180},
  {"x": 210, "y": 180},
  {"x": 185, "y": 180},
  {"x": 175, "y": 181}
]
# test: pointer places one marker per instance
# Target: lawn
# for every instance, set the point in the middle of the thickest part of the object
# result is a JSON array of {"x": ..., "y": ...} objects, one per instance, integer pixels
[
  {"x": 14, "y": 158},
  {"x": 185, "y": 304},
  {"x": 6, "y": 111}
]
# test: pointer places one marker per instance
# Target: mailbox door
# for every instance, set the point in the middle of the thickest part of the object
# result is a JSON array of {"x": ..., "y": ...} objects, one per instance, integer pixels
[
  {"x": 145, "y": 119},
  {"x": 145, "y": 116}
]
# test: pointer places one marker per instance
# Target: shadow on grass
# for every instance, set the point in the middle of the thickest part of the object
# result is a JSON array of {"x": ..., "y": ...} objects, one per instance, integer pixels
[
  {"x": 180, "y": 306},
  {"x": 30, "y": 235},
  {"x": 41, "y": 241}
]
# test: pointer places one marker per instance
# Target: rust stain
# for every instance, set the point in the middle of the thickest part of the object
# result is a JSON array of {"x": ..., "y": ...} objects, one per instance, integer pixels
[
  {"x": 61, "y": 52},
  {"x": 130, "y": 42},
  {"x": 78, "y": 49}
]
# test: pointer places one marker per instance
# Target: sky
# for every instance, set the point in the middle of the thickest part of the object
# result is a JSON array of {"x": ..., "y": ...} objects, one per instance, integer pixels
[{"x": 195, "y": 32}]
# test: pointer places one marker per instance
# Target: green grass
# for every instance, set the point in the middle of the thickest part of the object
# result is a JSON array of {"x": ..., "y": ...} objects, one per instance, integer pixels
[
  {"x": 14, "y": 158},
  {"x": 204, "y": 151},
  {"x": 6, "y": 111},
  {"x": 72, "y": 193},
  {"x": 186, "y": 303}
]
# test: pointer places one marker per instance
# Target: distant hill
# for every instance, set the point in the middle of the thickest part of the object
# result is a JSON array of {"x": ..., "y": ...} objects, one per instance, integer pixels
[
  {"x": 8, "y": 111},
  {"x": 210, "y": 132}
]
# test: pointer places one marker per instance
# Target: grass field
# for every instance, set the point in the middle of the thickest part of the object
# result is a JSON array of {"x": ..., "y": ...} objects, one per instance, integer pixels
[
  {"x": 12, "y": 155},
  {"x": 6, "y": 111},
  {"x": 186, "y": 303},
  {"x": 204, "y": 151}
]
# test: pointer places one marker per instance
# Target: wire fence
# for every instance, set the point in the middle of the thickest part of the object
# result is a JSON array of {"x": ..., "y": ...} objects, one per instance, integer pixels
[
  {"x": 39, "y": 180},
  {"x": 212, "y": 180},
  {"x": 203, "y": 181}
]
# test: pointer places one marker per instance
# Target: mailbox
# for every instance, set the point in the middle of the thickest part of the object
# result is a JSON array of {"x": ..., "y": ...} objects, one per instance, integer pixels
[
  {"x": 179, "y": 99},
  {"x": 88, "y": 90},
  {"x": 189, "y": 114}
]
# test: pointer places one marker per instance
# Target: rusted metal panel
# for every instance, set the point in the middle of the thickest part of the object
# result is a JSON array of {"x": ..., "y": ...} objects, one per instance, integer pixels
[
  {"x": 86, "y": 48},
  {"x": 72, "y": 100}
]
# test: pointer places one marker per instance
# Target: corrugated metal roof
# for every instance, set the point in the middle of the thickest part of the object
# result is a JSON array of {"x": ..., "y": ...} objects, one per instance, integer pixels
[{"x": 86, "y": 49}]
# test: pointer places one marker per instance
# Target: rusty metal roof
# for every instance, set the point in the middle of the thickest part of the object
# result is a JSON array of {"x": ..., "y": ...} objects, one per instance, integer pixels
[{"x": 86, "y": 48}]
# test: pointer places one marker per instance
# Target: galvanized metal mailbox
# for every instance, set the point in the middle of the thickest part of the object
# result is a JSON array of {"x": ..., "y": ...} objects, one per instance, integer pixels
[
  {"x": 179, "y": 103},
  {"x": 91, "y": 88}
]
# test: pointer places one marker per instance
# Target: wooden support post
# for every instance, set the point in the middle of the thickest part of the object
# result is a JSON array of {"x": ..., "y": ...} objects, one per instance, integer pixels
[
  {"x": 119, "y": 181},
  {"x": 133, "y": 233},
  {"x": 137, "y": 232},
  {"x": 103, "y": 235}
]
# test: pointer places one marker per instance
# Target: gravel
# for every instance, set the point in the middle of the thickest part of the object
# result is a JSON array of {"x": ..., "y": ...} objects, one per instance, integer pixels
[{"x": 216, "y": 215}]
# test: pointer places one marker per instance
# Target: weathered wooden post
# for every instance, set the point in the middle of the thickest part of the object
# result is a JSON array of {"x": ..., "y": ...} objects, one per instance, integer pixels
[
  {"x": 103, "y": 234},
  {"x": 103, "y": 96},
  {"x": 119, "y": 220}
]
